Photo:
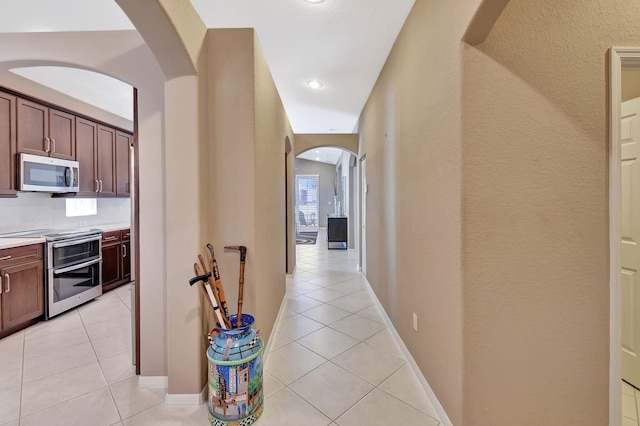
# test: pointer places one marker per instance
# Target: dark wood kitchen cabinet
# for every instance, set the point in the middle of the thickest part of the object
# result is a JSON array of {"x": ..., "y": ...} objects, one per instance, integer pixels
[
  {"x": 116, "y": 260},
  {"x": 106, "y": 161},
  {"x": 22, "y": 287},
  {"x": 123, "y": 175},
  {"x": 96, "y": 153},
  {"x": 86, "y": 155},
  {"x": 126, "y": 256},
  {"x": 7, "y": 145},
  {"x": 45, "y": 131}
]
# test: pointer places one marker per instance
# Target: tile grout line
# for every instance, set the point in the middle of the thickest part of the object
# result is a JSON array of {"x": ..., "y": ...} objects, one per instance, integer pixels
[{"x": 24, "y": 344}]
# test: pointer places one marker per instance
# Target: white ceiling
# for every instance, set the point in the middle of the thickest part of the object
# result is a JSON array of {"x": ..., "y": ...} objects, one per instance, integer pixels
[
  {"x": 342, "y": 44},
  {"x": 324, "y": 155}
]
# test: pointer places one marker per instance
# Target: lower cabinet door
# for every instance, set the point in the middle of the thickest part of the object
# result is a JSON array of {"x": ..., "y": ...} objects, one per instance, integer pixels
[
  {"x": 22, "y": 293},
  {"x": 111, "y": 261},
  {"x": 126, "y": 260}
]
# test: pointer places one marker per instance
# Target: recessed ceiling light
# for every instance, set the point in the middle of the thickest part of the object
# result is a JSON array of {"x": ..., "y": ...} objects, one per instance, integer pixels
[
  {"x": 314, "y": 84},
  {"x": 317, "y": 158},
  {"x": 317, "y": 151},
  {"x": 313, "y": 1}
]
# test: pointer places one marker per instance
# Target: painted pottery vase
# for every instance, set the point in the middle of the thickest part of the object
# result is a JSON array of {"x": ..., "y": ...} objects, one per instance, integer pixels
[{"x": 235, "y": 375}]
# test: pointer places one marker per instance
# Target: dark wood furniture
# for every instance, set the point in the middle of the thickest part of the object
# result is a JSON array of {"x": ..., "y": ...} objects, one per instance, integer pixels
[
  {"x": 106, "y": 161},
  {"x": 87, "y": 155},
  {"x": 7, "y": 145},
  {"x": 22, "y": 298},
  {"x": 123, "y": 153},
  {"x": 116, "y": 259},
  {"x": 31, "y": 126},
  {"x": 337, "y": 232},
  {"x": 45, "y": 131}
]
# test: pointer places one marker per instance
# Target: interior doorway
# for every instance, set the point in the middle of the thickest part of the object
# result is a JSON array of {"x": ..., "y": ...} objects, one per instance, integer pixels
[
  {"x": 307, "y": 202},
  {"x": 620, "y": 59},
  {"x": 363, "y": 215}
]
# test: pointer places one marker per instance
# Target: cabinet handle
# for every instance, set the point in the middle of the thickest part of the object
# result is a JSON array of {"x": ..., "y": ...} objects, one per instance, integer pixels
[
  {"x": 53, "y": 145},
  {"x": 96, "y": 186},
  {"x": 47, "y": 146},
  {"x": 124, "y": 251},
  {"x": 100, "y": 185},
  {"x": 8, "y": 279},
  {"x": 109, "y": 238},
  {"x": 5, "y": 258},
  {"x": 0, "y": 286}
]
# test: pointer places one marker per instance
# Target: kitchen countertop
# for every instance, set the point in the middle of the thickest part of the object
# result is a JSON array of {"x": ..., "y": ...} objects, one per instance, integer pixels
[
  {"x": 18, "y": 242},
  {"x": 112, "y": 226}
]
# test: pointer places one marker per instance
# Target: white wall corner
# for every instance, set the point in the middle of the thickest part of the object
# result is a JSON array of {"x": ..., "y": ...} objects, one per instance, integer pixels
[
  {"x": 186, "y": 399},
  {"x": 444, "y": 419},
  {"x": 156, "y": 382}
]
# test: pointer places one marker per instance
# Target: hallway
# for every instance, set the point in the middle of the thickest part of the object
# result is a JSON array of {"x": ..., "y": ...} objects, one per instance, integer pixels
[
  {"x": 333, "y": 357},
  {"x": 332, "y": 361}
]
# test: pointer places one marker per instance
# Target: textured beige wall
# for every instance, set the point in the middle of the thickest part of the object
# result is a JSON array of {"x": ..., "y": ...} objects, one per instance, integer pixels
[
  {"x": 411, "y": 133},
  {"x": 306, "y": 141},
  {"x": 247, "y": 131},
  {"x": 271, "y": 128},
  {"x": 536, "y": 298},
  {"x": 173, "y": 31}
]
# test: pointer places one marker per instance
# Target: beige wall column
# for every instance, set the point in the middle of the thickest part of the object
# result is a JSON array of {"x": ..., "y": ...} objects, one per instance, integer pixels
[
  {"x": 175, "y": 34},
  {"x": 182, "y": 182},
  {"x": 247, "y": 130}
]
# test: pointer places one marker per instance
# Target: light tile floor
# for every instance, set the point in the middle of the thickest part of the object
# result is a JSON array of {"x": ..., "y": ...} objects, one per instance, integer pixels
[
  {"x": 332, "y": 361},
  {"x": 630, "y": 405}
]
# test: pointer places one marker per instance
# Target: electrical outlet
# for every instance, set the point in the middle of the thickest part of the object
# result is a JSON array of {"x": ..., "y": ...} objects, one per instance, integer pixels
[{"x": 415, "y": 322}]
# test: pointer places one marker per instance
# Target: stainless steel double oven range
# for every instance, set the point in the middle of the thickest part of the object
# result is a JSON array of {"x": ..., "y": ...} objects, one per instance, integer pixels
[{"x": 73, "y": 267}]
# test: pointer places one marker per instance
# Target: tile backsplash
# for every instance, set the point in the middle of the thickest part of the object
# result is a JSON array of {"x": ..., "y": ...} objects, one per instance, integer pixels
[{"x": 35, "y": 210}]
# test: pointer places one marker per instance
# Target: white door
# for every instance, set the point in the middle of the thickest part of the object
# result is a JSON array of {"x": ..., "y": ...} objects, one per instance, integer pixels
[
  {"x": 629, "y": 279},
  {"x": 363, "y": 213}
]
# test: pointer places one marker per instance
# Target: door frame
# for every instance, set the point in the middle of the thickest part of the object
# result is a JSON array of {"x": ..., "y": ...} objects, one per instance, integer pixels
[
  {"x": 619, "y": 58},
  {"x": 363, "y": 214}
]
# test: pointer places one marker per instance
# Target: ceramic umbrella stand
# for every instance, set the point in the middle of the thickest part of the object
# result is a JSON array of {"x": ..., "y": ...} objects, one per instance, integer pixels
[{"x": 235, "y": 375}]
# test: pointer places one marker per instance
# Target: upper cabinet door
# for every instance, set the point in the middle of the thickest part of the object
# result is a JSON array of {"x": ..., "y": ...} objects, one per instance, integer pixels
[
  {"x": 7, "y": 144},
  {"x": 123, "y": 142},
  {"x": 33, "y": 128},
  {"x": 86, "y": 154},
  {"x": 45, "y": 131},
  {"x": 62, "y": 135},
  {"x": 107, "y": 161}
]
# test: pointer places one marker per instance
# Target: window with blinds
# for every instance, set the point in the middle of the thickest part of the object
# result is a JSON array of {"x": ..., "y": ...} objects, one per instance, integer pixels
[{"x": 307, "y": 197}]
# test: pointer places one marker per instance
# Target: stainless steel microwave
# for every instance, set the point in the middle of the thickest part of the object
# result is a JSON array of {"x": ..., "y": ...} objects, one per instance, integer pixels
[{"x": 44, "y": 174}]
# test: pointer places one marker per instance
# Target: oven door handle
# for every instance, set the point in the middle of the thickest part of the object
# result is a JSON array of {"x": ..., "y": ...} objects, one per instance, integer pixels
[
  {"x": 79, "y": 266},
  {"x": 74, "y": 242}
]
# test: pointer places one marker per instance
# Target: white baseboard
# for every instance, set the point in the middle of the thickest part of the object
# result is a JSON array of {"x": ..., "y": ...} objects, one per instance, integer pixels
[
  {"x": 267, "y": 348},
  {"x": 290, "y": 276},
  {"x": 156, "y": 382},
  {"x": 444, "y": 419},
  {"x": 186, "y": 399}
]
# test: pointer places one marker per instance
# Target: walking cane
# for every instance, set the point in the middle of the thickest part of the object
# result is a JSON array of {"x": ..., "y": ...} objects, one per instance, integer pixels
[{"x": 243, "y": 258}]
